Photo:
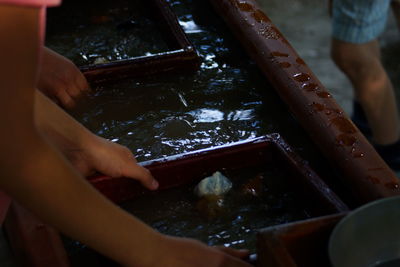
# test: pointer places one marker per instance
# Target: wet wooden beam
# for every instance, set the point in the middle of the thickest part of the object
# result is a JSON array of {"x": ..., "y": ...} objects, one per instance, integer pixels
[{"x": 361, "y": 169}]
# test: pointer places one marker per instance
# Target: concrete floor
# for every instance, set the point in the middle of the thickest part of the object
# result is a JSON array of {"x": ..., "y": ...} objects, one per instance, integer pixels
[{"x": 307, "y": 26}]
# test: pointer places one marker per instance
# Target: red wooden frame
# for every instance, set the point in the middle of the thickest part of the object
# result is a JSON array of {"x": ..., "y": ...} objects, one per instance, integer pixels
[
  {"x": 182, "y": 56},
  {"x": 26, "y": 232}
]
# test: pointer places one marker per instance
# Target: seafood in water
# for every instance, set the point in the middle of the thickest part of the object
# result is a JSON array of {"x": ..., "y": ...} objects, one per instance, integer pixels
[{"x": 217, "y": 184}]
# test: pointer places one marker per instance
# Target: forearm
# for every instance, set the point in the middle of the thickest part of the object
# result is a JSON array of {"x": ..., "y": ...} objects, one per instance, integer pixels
[
  {"x": 46, "y": 184},
  {"x": 64, "y": 131}
]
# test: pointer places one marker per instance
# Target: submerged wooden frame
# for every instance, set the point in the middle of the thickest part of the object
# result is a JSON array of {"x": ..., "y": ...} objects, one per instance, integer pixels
[
  {"x": 37, "y": 244},
  {"x": 182, "y": 56}
]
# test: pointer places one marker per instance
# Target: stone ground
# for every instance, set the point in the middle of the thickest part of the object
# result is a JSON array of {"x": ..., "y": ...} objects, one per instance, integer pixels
[{"x": 306, "y": 25}]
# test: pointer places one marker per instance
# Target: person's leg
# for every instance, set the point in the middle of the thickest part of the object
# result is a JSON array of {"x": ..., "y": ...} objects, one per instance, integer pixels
[
  {"x": 373, "y": 89},
  {"x": 396, "y": 11}
]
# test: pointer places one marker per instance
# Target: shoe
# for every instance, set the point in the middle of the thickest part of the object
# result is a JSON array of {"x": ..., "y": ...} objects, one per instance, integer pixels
[
  {"x": 360, "y": 120},
  {"x": 390, "y": 154}
]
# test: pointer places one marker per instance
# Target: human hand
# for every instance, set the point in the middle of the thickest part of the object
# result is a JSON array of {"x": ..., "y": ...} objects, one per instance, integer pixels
[
  {"x": 111, "y": 159},
  {"x": 60, "y": 79},
  {"x": 176, "y": 252}
]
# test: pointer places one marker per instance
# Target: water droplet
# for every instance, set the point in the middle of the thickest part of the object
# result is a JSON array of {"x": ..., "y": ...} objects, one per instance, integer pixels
[
  {"x": 392, "y": 185},
  {"x": 344, "y": 125},
  {"x": 318, "y": 106},
  {"x": 310, "y": 87},
  {"x": 245, "y": 6},
  {"x": 373, "y": 179},
  {"x": 301, "y": 77},
  {"x": 259, "y": 16},
  {"x": 358, "y": 154},
  {"x": 279, "y": 54},
  {"x": 346, "y": 140},
  {"x": 300, "y": 61},
  {"x": 324, "y": 94},
  {"x": 285, "y": 64}
]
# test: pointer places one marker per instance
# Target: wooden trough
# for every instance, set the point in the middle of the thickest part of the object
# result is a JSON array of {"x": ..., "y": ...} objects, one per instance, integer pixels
[
  {"x": 26, "y": 232},
  {"x": 363, "y": 172},
  {"x": 181, "y": 56}
]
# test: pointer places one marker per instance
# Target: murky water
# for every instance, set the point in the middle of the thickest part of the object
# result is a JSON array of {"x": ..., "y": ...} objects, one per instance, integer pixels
[
  {"x": 259, "y": 198},
  {"x": 231, "y": 220},
  {"x": 106, "y": 30},
  {"x": 226, "y": 100}
]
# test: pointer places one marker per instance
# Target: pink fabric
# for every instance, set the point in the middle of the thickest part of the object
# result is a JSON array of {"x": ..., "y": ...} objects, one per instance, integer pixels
[
  {"x": 5, "y": 201},
  {"x": 31, "y": 3}
]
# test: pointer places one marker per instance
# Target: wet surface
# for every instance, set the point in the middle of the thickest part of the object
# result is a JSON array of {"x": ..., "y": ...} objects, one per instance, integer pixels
[
  {"x": 258, "y": 199},
  {"x": 102, "y": 31},
  {"x": 227, "y": 100},
  {"x": 249, "y": 206}
]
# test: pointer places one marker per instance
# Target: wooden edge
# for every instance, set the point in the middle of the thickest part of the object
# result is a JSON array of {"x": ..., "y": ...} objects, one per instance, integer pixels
[
  {"x": 142, "y": 66},
  {"x": 39, "y": 245},
  {"x": 271, "y": 252},
  {"x": 184, "y": 56},
  {"x": 363, "y": 171},
  {"x": 33, "y": 243},
  {"x": 309, "y": 180},
  {"x": 302, "y": 243},
  {"x": 170, "y": 23}
]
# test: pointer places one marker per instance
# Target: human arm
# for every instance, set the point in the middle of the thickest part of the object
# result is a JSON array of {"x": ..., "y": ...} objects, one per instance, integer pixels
[
  {"x": 60, "y": 79},
  {"x": 87, "y": 152},
  {"x": 35, "y": 174}
]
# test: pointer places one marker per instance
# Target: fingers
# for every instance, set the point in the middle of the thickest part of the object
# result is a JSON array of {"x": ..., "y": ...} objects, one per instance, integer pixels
[
  {"x": 65, "y": 99},
  {"x": 82, "y": 83},
  {"x": 78, "y": 86},
  {"x": 143, "y": 175}
]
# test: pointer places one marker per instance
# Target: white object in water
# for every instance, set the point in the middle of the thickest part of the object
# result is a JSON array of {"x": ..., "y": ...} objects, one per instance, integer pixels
[
  {"x": 217, "y": 184},
  {"x": 100, "y": 60}
]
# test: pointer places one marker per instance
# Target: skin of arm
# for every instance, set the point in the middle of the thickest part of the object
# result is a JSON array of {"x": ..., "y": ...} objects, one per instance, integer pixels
[
  {"x": 60, "y": 79},
  {"x": 37, "y": 175},
  {"x": 87, "y": 152}
]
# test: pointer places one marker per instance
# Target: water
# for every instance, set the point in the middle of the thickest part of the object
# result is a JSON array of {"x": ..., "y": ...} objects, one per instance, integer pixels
[
  {"x": 227, "y": 221},
  {"x": 110, "y": 30},
  {"x": 259, "y": 198},
  {"x": 227, "y": 100}
]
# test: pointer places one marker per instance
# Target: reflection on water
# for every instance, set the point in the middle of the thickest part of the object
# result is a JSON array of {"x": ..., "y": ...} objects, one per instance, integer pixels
[
  {"x": 224, "y": 101},
  {"x": 101, "y": 31},
  {"x": 233, "y": 221}
]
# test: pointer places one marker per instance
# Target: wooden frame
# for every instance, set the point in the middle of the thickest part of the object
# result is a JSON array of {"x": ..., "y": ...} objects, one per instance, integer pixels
[
  {"x": 182, "y": 56},
  {"x": 26, "y": 232},
  {"x": 298, "y": 244}
]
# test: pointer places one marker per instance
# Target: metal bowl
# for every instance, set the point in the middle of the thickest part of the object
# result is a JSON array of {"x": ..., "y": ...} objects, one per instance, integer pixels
[{"x": 369, "y": 236}]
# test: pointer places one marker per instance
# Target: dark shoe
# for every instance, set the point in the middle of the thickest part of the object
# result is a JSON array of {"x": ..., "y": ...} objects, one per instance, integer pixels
[
  {"x": 360, "y": 120},
  {"x": 390, "y": 154}
]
